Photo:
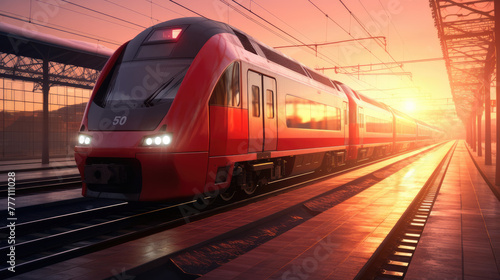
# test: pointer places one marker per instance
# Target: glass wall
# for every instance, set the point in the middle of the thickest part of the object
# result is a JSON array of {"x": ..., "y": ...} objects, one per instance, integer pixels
[{"x": 21, "y": 114}]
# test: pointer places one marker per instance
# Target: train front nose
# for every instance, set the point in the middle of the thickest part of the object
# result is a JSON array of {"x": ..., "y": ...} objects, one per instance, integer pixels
[
  {"x": 128, "y": 166},
  {"x": 106, "y": 174},
  {"x": 113, "y": 175}
]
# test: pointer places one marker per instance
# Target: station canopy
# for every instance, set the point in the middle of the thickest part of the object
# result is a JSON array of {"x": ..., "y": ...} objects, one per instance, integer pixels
[
  {"x": 47, "y": 61},
  {"x": 466, "y": 32},
  {"x": 72, "y": 63}
]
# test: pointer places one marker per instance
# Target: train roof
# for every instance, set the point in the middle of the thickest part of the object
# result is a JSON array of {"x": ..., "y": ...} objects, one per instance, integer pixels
[
  {"x": 196, "y": 31},
  {"x": 401, "y": 114},
  {"x": 252, "y": 45},
  {"x": 373, "y": 101}
]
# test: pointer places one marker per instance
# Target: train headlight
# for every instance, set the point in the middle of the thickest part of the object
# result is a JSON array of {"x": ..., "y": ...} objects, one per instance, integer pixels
[
  {"x": 166, "y": 139},
  {"x": 157, "y": 140},
  {"x": 84, "y": 139}
]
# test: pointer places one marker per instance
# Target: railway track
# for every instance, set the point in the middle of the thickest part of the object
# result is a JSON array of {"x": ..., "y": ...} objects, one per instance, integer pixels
[
  {"x": 50, "y": 240},
  {"x": 36, "y": 186}
]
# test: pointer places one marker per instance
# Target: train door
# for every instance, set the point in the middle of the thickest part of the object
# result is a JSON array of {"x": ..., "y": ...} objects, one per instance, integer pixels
[
  {"x": 262, "y": 113},
  {"x": 346, "y": 123},
  {"x": 361, "y": 124}
]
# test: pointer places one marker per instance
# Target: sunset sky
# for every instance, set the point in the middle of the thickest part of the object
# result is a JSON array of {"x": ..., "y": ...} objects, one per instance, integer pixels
[{"x": 407, "y": 26}]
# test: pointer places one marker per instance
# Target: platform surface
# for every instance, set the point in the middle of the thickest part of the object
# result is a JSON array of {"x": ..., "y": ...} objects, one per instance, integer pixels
[
  {"x": 461, "y": 239},
  {"x": 337, "y": 243},
  {"x": 488, "y": 170}
]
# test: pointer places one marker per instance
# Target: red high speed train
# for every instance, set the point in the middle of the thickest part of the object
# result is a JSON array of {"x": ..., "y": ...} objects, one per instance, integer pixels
[{"x": 192, "y": 105}]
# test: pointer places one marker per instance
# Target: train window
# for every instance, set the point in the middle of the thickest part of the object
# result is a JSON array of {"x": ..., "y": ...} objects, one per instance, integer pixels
[
  {"x": 282, "y": 60},
  {"x": 303, "y": 113},
  {"x": 227, "y": 89},
  {"x": 244, "y": 41},
  {"x": 255, "y": 101},
  {"x": 333, "y": 118},
  {"x": 361, "y": 118},
  {"x": 318, "y": 115},
  {"x": 374, "y": 124},
  {"x": 270, "y": 104},
  {"x": 298, "y": 112},
  {"x": 143, "y": 83},
  {"x": 406, "y": 127},
  {"x": 345, "y": 113}
]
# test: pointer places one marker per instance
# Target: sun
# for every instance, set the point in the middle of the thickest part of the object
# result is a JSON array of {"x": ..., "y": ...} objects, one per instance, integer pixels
[{"x": 409, "y": 106}]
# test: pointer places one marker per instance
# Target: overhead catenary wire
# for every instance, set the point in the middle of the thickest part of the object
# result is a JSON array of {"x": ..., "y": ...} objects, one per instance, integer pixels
[
  {"x": 349, "y": 33},
  {"x": 273, "y": 25},
  {"x": 129, "y": 9},
  {"x": 268, "y": 22},
  {"x": 351, "y": 76},
  {"x": 316, "y": 52},
  {"x": 195, "y": 12},
  {"x": 272, "y": 31},
  {"x": 185, "y": 7},
  {"x": 388, "y": 63},
  {"x": 165, "y": 8},
  {"x": 311, "y": 48},
  {"x": 391, "y": 22},
  {"x": 366, "y": 30},
  {"x": 125, "y": 22},
  {"x": 284, "y": 22},
  {"x": 18, "y": 17},
  {"x": 357, "y": 19},
  {"x": 328, "y": 43},
  {"x": 104, "y": 14},
  {"x": 77, "y": 12}
]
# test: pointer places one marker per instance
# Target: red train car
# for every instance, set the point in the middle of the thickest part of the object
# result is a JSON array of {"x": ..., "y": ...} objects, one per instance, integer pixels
[
  {"x": 371, "y": 131},
  {"x": 426, "y": 134},
  {"x": 405, "y": 128},
  {"x": 193, "y": 106}
]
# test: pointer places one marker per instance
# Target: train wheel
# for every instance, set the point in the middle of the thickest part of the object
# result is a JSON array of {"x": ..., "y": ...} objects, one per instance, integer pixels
[
  {"x": 328, "y": 163},
  {"x": 250, "y": 188},
  {"x": 227, "y": 194}
]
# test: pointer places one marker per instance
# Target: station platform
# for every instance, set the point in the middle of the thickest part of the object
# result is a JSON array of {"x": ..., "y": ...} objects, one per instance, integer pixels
[
  {"x": 488, "y": 171},
  {"x": 460, "y": 241}
]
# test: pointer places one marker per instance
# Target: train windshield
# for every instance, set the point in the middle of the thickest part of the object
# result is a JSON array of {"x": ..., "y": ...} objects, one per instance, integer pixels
[{"x": 145, "y": 83}]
